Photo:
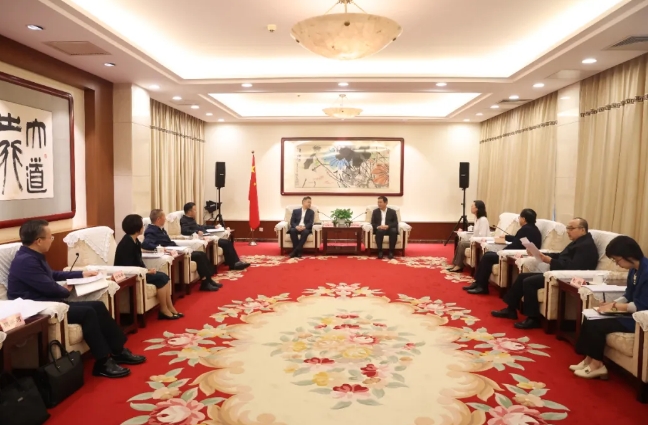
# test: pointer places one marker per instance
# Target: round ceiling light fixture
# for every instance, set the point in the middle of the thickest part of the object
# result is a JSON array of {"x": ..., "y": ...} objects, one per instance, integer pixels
[
  {"x": 177, "y": 98},
  {"x": 109, "y": 64},
  {"x": 246, "y": 85},
  {"x": 346, "y": 36},
  {"x": 588, "y": 61},
  {"x": 514, "y": 97},
  {"x": 342, "y": 111},
  {"x": 538, "y": 85},
  {"x": 343, "y": 84},
  {"x": 35, "y": 27},
  {"x": 441, "y": 84}
]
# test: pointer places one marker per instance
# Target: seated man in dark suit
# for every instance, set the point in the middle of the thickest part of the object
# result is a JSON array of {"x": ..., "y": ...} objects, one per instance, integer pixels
[
  {"x": 528, "y": 230},
  {"x": 155, "y": 236},
  {"x": 31, "y": 278},
  {"x": 188, "y": 227},
  {"x": 301, "y": 225},
  {"x": 385, "y": 222},
  {"x": 580, "y": 254}
]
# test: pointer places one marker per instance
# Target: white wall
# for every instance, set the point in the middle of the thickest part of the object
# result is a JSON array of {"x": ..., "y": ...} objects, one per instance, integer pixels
[
  {"x": 80, "y": 219},
  {"x": 431, "y": 175}
]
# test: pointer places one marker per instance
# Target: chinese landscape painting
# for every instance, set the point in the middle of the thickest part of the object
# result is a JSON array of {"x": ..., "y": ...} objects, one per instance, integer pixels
[{"x": 350, "y": 166}]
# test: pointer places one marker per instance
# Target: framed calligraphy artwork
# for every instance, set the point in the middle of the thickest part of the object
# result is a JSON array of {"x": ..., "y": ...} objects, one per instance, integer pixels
[
  {"x": 351, "y": 166},
  {"x": 36, "y": 152}
]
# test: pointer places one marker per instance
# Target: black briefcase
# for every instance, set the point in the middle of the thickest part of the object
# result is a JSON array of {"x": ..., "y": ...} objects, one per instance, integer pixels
[
  {"x": 21, "y": 403},
  {"x": 61, "y": 378}
]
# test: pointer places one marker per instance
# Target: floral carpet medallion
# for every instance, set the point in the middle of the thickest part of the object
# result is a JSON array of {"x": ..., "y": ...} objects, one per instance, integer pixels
[{"x": 340, "y": 354}]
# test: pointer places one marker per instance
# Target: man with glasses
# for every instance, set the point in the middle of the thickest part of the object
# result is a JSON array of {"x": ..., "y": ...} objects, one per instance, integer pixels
[
  {"x": 31, "y": 278},
  {"x": 580, "y": 254}
]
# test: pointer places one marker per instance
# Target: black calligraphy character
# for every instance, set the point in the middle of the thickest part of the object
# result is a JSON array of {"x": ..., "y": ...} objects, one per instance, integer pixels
[
  {"x": 35, "y": 177},
  {"x": 36, "y": 127},
  {"x": 8, "y": 124}
]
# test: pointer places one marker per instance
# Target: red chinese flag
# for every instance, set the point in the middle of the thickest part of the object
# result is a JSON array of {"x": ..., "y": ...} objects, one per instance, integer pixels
[{"x": 254, "y": 199}]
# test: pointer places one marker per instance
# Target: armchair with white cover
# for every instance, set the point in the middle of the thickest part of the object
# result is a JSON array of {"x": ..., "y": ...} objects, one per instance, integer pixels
[
  {"x": 283, "y": 237},
  {"x": 554, "y": 239},
  {"x": 96, "y": 248},
  {"x": 369, "y": 238},
  {"x": 507, "y": 221},
  {"x": 174, "y": 230},
  {"x": 25, "y": 356}
]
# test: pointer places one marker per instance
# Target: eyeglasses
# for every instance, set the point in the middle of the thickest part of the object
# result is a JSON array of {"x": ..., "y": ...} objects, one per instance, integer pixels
[
  {"x": 50, "y": 238},
  {"x": 573, "y": 228}
]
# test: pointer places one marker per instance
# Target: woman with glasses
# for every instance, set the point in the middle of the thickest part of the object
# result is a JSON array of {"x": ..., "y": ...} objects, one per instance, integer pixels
[
  {"x": 481, "y": 230},
  {"x": 626, "y": 253},
  {"x": 129, "y": 254}
]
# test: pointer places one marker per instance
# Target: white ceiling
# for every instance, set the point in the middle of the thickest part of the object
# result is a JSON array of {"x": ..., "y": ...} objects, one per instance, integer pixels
[{"x": 202, "y": 50}]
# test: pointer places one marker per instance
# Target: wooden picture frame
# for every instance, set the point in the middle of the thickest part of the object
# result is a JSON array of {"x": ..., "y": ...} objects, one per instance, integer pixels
[
  {"x": 342, "y": 166},
  {"x": 68, "y": 212}
]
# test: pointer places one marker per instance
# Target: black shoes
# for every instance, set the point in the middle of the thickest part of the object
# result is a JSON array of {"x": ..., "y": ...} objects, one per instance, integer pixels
[
  {"x": 242, "y": 266},
  {"x": 162, "y": 316},
  {"x": 528, "y": 323},
  {"x": 126, "y": 357},
  {"x": 180, "y": 315},
  {"x": 471, "y": 286},
  {"x": 380, "y": 255},
  {"x": 478, "y": 291},
  {"x": 505, "y": 313},
  {"x": 294, "y": 254},
  {"x": 208, "y": 286},
  {"x": 110, "y": 369},
  {"x": 390, "y": 255}
]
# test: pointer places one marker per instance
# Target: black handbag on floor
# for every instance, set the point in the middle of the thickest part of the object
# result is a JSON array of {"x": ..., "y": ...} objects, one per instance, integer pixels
[
  {"x": 21, "y": 403},
  {"x": 61, "y": 378}
]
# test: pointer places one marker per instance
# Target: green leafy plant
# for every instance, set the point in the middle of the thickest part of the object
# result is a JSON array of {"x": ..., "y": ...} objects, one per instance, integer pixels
[{"x": 342, "y": 215}]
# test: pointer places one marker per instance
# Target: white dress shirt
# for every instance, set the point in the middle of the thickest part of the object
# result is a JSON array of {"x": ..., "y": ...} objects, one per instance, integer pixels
[
  {"x": 301, "y": 222},
  {"x": 482, "y": 228},
  {"x": 383, "y": 216}
]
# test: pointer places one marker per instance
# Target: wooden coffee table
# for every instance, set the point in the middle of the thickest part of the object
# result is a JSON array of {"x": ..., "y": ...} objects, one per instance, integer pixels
[{"x": 342, "y": 240}]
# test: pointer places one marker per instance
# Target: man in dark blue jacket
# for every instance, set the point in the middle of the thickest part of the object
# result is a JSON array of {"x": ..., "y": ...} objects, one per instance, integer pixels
[
  {"x": 580, "y": 254},
  {"x": 189, "y": 226},
  {"x": 301, "y": 225},
  {"x": 527, "y": 230},
  {"x": 31, "y": 278},
  {"x": 155, "y": 236}
]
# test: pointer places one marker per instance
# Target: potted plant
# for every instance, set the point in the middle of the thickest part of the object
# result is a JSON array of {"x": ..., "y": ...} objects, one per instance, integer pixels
[{"x": 341, "y": 217}]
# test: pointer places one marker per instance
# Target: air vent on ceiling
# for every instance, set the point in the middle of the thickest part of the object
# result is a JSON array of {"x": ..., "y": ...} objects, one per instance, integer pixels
[
  {"x": 635, "y": 42},
  {"x": 77, "y": 48},
  {"x": 513, "y": 101}
]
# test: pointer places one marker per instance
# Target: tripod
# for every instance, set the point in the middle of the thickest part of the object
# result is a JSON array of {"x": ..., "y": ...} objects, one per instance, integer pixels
[
  {"x": 462, "y": 220},
  {"x": 219, "y": 216}
]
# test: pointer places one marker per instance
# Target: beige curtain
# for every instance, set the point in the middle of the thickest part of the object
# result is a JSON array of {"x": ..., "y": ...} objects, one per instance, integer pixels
[
  {"x": 177, "y": 163},
  {"x": 611, "y": 188},
  {"x": 517, "y": 157}
]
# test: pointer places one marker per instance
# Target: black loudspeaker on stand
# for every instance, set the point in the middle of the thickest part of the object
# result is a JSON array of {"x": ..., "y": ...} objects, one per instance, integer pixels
[
  {"x": 220, "y": 183},
  {"x": 464, "y": 182}
]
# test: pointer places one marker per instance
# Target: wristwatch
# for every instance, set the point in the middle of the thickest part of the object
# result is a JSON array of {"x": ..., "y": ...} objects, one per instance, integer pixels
[{"x": 613, "y": 307}]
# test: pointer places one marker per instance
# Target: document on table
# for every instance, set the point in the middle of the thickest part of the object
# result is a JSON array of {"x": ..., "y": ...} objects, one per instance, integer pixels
[
  {"x": 85, "y": 280},
  {"x": 27, "y": 308},
  {"x": 151, "y": 255},
  {"x": 533, "y": 250},
  {"x": 176, "y": 248},
  {"x": 88, "y": 288},
  {"x": 221, "y": 230},
  {"x": 591, "y": 314}
]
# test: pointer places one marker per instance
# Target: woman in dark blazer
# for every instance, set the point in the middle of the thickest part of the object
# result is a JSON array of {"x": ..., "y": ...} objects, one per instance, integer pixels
[
  {"x": 627, "y": 254},
  {"x": 129, "y": 254}
]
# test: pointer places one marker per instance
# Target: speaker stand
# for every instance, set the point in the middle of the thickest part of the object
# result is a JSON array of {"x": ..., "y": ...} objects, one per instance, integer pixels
[
  {"x": 251, "y": 237},
  {"x": 219, "y": 216},
  {"x": 463, "y": 220}
]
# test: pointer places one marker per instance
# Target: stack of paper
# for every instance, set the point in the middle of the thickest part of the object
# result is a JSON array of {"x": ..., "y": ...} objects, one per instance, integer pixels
[
  {"x": 86, "y": 285},
  {"x": 216, "y": 230},
  {"x": 592, "y": 314},
  {"x": 27, "y": 308},
  {"x": 176, "y": 248},
  {"x": 531, "y": 248},
  {"x": 151, "y": 255}
]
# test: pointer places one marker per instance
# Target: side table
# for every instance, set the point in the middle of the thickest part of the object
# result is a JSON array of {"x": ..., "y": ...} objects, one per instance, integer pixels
[
  {"x": 567, "y": 330},
  {"x": 352, "y": 236},
  {"x": 130, "y": 284},
  {"x": 35, "y": 325}
]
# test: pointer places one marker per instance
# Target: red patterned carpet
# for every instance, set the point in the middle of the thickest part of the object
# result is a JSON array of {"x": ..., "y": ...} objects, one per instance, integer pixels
[{"x": 327, "y": 340}]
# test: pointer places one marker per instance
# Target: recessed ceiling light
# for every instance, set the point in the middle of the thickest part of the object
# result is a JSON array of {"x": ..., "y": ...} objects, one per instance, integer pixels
[
  {"x": 514, "y": 97},
  {"x": 177, "y": 98},
  {"x": 565, "y": 98},
  {"x": 538, "y": 85},
  {"x": 589, "y": 60},
  {"x": 35, "y": 27},
  {"x": 246, "y": 85},
  {"x": 195, "y": 107},
  {"x": 154, "y": 87},
  {"x": 220, "y": 120},
  {"x": 343, "y": 84},
  {"x": 479, "y": 114},
  {"x": 495, "y": 107},
  {"x": 466, "y": 120},
  {"x": 209, "y": 114},
  {"x": 109, "y": 64},
  {"x": 441, "y": 84}
]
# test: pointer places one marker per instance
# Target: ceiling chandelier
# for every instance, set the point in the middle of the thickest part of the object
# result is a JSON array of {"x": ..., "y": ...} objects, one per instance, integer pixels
[
  {"x": 342, "y": 111},
  {"x": 346, "y": 36}
]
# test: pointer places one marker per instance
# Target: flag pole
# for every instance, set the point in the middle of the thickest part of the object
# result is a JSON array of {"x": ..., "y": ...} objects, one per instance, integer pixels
[{"x": 251, "y": 237}]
